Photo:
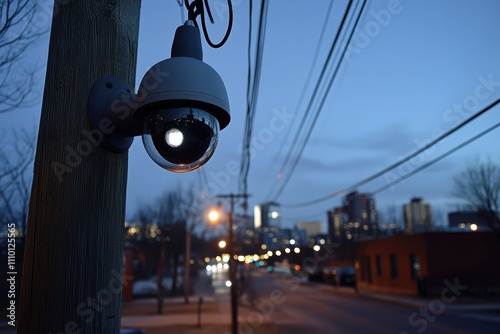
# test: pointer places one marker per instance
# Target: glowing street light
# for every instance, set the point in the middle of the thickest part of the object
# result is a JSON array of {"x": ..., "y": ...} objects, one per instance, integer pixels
[
  {"x": 222, "y": 244},
  {"x": 214, "y": 216}
]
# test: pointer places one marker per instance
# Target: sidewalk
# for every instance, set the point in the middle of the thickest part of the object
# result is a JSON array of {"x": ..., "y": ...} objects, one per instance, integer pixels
[
  {"x": 470, "y": 307},
  {"x": 179, "y": 317}
]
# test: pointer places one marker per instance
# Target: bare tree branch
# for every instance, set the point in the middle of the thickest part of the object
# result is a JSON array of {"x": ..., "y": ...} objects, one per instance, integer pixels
[
  {"x": 18, "y": 32},
  {"x": 479, "y": 186},
  {"x": 16, "y": 159}
]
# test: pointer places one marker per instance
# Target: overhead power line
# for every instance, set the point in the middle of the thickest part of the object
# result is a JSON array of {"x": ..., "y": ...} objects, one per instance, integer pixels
[
  {"x": 304, "y": 142},
  {"x": 253, "y": 84},
  {"x": 304, "y": 89},
  {"x": 396, "y": 164},
  {"x": 432, "y": 162}
]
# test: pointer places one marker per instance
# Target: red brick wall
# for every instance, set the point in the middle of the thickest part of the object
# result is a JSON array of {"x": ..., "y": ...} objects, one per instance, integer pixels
[
  {"x": 473, "y": 257},
  {"x": 401, "y": 247}
]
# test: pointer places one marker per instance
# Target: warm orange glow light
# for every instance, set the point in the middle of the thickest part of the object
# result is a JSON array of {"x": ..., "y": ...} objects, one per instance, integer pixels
[{"x": 213, "y": 216}]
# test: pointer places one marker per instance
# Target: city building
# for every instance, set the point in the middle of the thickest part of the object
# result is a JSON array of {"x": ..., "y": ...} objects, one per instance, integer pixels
[
  {"x": 417, "y": 216},
  {"x": 267, "y": 215},
  {"x": 356, "y": 219},
  {"x": 336, "y": 219},
  {"x": 267, "y": 220},
  {"x": 429, "y": 263},
  {"x": 312, "y": 228}
]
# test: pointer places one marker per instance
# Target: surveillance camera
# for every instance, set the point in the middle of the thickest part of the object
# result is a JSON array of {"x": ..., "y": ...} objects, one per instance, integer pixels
[
  {"x": 180, "y": 139},
  {"x": 179, "y": 109}
]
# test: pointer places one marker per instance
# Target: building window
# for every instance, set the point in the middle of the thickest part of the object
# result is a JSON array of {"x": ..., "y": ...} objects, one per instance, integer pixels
[
  {"x": 394, "y": 266},
  {"x": 379, "y": 265},
  {"x": 414, "y": 266},
  {"x": 362, "y": 268},
  {"x": 368, "y": 269}
]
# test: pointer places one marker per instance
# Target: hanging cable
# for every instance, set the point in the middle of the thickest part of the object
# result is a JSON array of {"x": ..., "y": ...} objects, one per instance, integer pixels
[
  {"x": 432, "y": 162},
  {"x": 306, "y": 86},
  {"x": 294, "y": 142},
  {"x": 396, "y": 164},
  {"x": 199, "y": 8},
  {"x": 245, "y": 154},
  {"x": 252, "y": 94},
  {"x": 322, "y": 102}
]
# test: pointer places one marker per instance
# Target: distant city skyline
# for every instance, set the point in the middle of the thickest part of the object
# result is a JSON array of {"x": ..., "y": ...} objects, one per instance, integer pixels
[{"x": 414, "y": 70}]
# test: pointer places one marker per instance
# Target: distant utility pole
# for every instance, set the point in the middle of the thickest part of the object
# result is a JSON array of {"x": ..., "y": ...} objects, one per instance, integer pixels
[
  {"x": 233, "y": 276},
  {"x": 72, "y": 272}
]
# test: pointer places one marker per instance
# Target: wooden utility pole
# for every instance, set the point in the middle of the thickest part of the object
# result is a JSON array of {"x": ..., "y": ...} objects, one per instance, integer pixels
[
  {"x": 233, "y": 270},
  {"x": 72, "y": 272}
]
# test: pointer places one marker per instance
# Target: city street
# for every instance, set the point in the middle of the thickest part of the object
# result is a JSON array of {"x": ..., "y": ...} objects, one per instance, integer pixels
[{"x": 295, "y": 306}]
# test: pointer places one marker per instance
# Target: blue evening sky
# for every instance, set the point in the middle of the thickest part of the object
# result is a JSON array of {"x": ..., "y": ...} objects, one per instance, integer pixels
[{"x": 415, "y": 69}]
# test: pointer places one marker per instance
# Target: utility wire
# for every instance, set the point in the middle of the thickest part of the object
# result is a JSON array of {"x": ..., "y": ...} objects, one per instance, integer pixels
[
  {"x": 432, "y": 162},
  {"x": 252, "y": 93},
  {"x": 245, "y": 154},
  {"x": 398, "y": 163},
  {"x": 181, "y": 6},
  {"x": 308, "y": 108},
  {"x": 308, "y": 135},
  {"x": 306, "y": 85}
]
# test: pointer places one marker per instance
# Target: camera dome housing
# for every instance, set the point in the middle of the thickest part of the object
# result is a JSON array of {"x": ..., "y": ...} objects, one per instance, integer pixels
[
  {"x": 185, "y": 94},
  {"x": 180, "y": 106}
]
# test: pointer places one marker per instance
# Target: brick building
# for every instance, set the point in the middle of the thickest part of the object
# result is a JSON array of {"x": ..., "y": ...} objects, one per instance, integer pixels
[{"x": 423, "y": 263}]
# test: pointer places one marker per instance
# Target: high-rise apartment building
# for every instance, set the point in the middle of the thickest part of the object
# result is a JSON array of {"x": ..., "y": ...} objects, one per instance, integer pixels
[
  {"x": 267, "y": 215},
  {"x": 417, "y": 216},
  {"x": 356, "y": 219}
]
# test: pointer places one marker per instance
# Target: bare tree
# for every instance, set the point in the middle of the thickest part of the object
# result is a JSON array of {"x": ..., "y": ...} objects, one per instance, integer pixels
[
  {"x": 192, "y": 217},
  {"x": 16, "y": 159},
  {"x": 18, "y": 31},
  {"x": 161, "y": 237},
  {"x": 479, "y": 186}
]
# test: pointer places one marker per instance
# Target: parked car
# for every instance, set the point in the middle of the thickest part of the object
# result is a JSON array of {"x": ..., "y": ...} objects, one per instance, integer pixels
[
  {"x": 340, "y": 276},
  {"x": 346, "y": 276}
]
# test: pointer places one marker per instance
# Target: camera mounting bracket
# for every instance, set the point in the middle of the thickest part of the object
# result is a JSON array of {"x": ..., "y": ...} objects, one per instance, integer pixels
[{"x": 110, "y": 108}]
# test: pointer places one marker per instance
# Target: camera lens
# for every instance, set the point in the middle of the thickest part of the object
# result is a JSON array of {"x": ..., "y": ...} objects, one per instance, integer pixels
[
  {"x": 180, "y": 139},
  {"x": 174, "y": 137}
]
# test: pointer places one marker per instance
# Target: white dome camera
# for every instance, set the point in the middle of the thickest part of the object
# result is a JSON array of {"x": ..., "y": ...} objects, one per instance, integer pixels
[{"x": 180, "y": 106}]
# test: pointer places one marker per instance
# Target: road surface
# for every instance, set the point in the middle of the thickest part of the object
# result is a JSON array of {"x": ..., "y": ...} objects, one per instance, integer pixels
[{"x": 295, "y": 306}]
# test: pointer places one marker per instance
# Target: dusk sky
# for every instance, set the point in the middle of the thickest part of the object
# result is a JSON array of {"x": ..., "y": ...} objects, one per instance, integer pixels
[{"x": 414, "y": 69}]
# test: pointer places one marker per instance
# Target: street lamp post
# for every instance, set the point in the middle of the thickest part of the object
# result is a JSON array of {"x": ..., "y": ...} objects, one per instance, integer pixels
[
  {"x": 233, "y": 277},
  {"x": 232, "y": 270}
]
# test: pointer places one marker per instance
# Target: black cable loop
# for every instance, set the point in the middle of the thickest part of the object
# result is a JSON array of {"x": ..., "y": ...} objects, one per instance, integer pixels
[{"x": 197, "y": 8}]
